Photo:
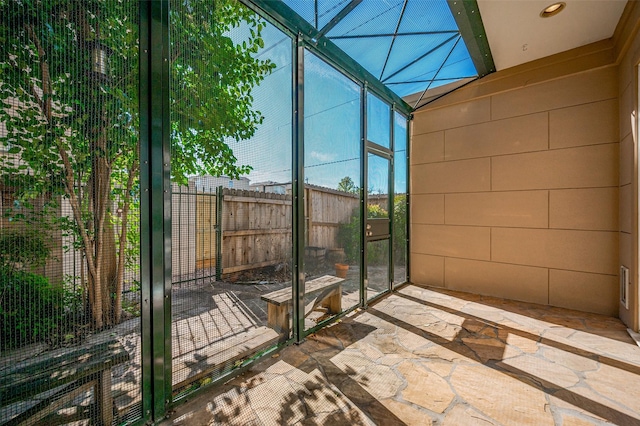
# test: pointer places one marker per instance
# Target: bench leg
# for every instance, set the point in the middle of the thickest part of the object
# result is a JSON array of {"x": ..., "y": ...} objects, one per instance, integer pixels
[
  {"x": 56, "y": 405},
  {"x": 103, "y": 400},
  {"x": 333, "y": 302},
  {"x": 278, "y": 318}
]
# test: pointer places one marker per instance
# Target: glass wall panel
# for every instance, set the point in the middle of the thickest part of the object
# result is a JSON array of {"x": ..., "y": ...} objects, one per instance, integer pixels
[
  {"x": 377, "y": 225},
  {"x": 69, "y": 230},
  {"x": 231, "y": 110},
  {"x": 332, "y": 146},
  {"x": 400, "y": 199},
  {"x": 378, "y": 121}
]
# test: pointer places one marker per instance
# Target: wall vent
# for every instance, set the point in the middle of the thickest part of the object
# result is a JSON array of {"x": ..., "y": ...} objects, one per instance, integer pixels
[{"x": 624, "y": 286}]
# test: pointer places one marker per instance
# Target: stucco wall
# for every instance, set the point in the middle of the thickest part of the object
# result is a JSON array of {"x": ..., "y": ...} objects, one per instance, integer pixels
[
  {"x": 515, "y": 184},
  {"x": 627, "y": 44}
]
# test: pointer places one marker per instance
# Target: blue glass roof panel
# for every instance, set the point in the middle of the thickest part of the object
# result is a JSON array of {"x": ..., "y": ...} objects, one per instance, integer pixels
[
  {"x": 407, "y": 49},
  {"x": 370, "y": 17},
  {"x": 431, "y": 15},
  {"x": 406, "y": 89},
  {"x": 459, "y": 64},
  {"x": 328, "y": 9},
  {"x": 369, "y": 54},
  {"x": 305, "y": 8},
  {"x": 424, "y": 68},
  {"x": 407, "y": 44}
]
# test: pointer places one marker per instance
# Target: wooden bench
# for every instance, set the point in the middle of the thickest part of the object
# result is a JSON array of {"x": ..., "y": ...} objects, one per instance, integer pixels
[
  {"x": 67, "y": 374},
  {"x": 325, "y": 291}
]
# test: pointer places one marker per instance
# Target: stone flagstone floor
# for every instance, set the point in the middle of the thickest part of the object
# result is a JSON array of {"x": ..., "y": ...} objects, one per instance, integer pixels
[{"x": 426, "y": 356}]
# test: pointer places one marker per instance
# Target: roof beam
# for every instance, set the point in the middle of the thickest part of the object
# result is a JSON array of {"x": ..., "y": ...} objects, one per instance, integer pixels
[
  {"x": 438, "y": 72},
  {"x": 393, "y": 40},
  {"x": 395, "y": 83},
  {"x": 278, "y": 13},
  {"x": 339, "y": 17},
  {"x": 344, "y": 37},
  {"x": 467, "y": 16},
  {"x": 421, "y": 57}
]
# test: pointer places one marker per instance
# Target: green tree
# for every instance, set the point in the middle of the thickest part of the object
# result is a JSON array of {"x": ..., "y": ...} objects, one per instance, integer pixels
[
  {"x": 71, "y": 122},
  {"x": 347, "y": 184}
]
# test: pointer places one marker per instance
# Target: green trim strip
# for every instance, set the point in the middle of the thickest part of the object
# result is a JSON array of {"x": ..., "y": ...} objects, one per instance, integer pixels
[
  {"x": 467, "y": 16},
  {"x": 145, "y": 209}
]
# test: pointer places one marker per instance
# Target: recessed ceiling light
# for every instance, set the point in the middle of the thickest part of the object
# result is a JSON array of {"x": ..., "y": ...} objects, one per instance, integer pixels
[{"x": 553, "y": 9}]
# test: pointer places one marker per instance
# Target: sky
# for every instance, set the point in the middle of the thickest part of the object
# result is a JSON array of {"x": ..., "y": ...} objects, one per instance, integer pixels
[{"x": 331, "y": 128}]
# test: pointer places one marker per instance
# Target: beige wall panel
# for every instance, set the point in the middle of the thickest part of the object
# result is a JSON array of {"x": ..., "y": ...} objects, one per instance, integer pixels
[
  {"x": 427, "y": 148},
  {"x": 594, "y": 55},
  {"x": 589, "y": 209},
  {"x": 582, "y": 167},
  {"x": 427, "y": 270},
  {"x": 626, "y": 250},
  {"x": 427, "y": 209},
  {"x": 497, "y": 279},
  {"x": 626, "y": 209},
  {"x": 626, "y": 160},
  {"x": 453, "y": 176},
  {"x": 589, "y": 124},
  {"x": 589, "y": 86},
  {"x": 527, "y": 209},
  {"x": 584, "y": 292},
  {"x": 587, "y": 251},
  {"x": 463, "y": 114},
  {"x": 514, "y": 135},
  {"x": 626, "y": 111},
  {"x": 625, "y": 73},
  {"x": 455, "y": 241}
]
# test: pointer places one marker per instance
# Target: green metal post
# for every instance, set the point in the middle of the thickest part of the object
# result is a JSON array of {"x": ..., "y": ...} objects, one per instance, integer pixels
[
  {"x": 298, "y": 192},
  {"x": 363, "y": 197},
  {"x": 219, "y": 204},
  {"x": 392, "y": 193},
  {"x": 155, "y": 219},
  {"x": 407, "y": 262},
  {"x": 145, "y": 213}
]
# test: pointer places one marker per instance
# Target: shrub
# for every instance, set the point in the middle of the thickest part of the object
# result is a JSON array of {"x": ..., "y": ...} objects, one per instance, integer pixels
[
  {"x": 30, "y": 308},
  {"x": 400, "y": 230},
  {"x": 349, "y": 237},
  {"x": 23, "y": 248},
  {"x": 349, "y": 234}
]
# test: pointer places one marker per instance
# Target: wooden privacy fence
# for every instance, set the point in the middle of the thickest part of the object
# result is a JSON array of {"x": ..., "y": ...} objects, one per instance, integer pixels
[
  {"x": 256, "y": 229},
  {"x": 230, "y": 230}
]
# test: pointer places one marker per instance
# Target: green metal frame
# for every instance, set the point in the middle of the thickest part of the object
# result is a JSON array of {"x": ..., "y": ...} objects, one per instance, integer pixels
[
  {"x": 155, "y": 261},
  {"x": 322, "y": 46},
  {"x": 467, "y": 16},
  {"x": 298, "y": 191},
  {"x": 145, "y": 213},
  {"x": 392, "y": 193},
  {"x": 364, "y": 280},
  {"x": 339, "y": 17},
  {"x": 388, "y": 154},
  {"x": 219, "y": 231},
  {"x": 155, "y": 156}
]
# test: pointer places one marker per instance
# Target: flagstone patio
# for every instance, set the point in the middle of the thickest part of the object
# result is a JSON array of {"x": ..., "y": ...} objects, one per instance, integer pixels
[{"x": 425, "y": 356}]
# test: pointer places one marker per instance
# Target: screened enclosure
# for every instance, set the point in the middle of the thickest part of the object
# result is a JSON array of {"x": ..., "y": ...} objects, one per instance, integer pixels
[
  {"x": 70, "y": 229},
  {"x": 186, "y": 187}
]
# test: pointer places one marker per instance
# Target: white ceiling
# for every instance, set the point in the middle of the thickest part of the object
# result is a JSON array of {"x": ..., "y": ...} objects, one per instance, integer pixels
[{"x": 517, "y": 34}]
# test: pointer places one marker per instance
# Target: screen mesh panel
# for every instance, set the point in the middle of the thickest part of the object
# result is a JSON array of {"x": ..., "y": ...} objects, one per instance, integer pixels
[
  {"x": 69, "y": 230},
  {"x": 231, "y": 109},
  {"x": 332, "y": 165},
  {"x": 401, "y": 189}
]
